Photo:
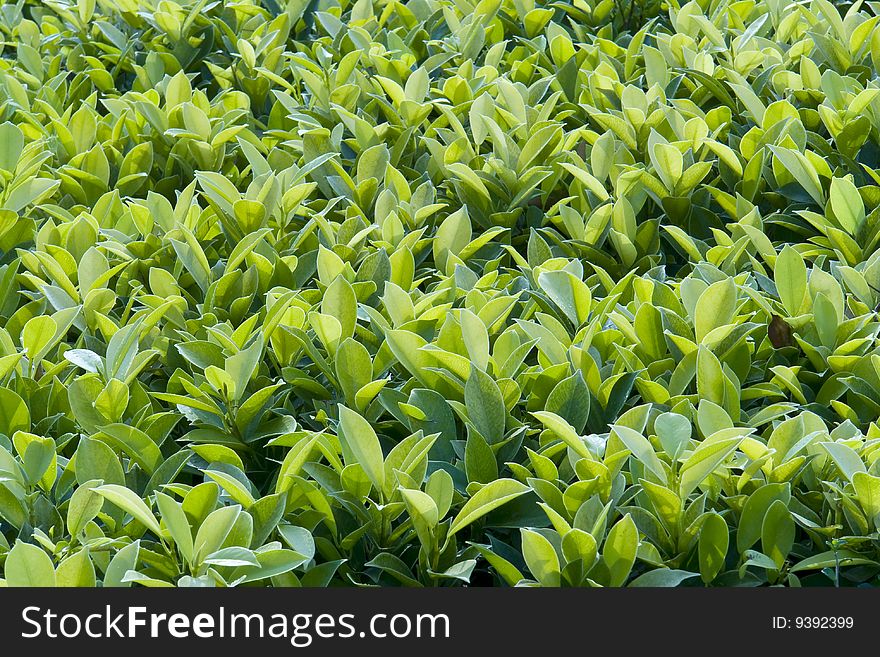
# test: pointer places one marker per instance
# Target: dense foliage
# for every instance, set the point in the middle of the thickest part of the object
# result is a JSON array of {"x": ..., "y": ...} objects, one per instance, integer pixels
[{"x": 439, "y": 292}]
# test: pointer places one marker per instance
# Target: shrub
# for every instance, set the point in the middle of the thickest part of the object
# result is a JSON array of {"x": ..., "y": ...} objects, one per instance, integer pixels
[{"x": 435, "y": 293}]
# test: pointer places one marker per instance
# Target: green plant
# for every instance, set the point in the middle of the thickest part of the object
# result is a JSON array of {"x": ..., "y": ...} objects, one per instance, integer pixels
[{"x": 439, "y": 293}]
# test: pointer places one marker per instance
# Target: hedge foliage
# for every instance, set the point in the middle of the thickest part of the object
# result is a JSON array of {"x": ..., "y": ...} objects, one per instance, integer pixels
[{"x": 437, "y": 292}]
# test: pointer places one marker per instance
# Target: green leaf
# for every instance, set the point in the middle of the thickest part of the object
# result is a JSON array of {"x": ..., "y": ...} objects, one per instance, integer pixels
[
  {"x": 134, "y": 442},
  {"x": 423, "y": 511},
  {"x": 452, "y": 236},
  {"x": 174, "y": 518},
  {"x": 96, "y": 460},
  {"x": 705, "y": 459},
  {"x": 15, "y": 415},
  {"x": 641, "y": 448},
  {"x": 37, "y": 337},
  {"x": 242, "y": 366},
  {"x": 232, "y": 557},
  {"x": 847, "y": 205},
  {"x": 777, "y": 533},
  {"x": 713, "y": 543},
  {"x": 668, "y": 163},
  {"x": 564, "y": 431},
  {"x": 123, "y": 561},
  {"x": 506, "y": 570},
  {"x": 578, "y": 545},
  {"x": 485, "y": 405},
  {"x": 232, "y": 486},
  {"x": 662, "y": 577},
  {"x": 84, "y": 506},
  {"x": 28, "y": 566},
  {"x": 845, "y": 458},
  {"x": 790, "y": 274},
  {"x": 129, "y": 502},
  {"x": 479, "y": 460},
  {"x": 619, "y": 552},
  {"x": 569, "y": 293},
  {"x": 76, "y": 570},
  {"x": 476, "y": 339},
  {"x": 802, "y": 170},
  {"x": 541, "y": 558},
  {"x": 715, "y": 308},
  {"x": 868, "y": 493},
  {"x": 213, "y": 532},
  {"x": 11, "y": 145},
  {"x": 830, "y": 559},
  {"x": 754, "y": 511},
  {"x": 489, "y": 497},
  {"x": 339, "y": 301},
  {"x": 360, "y": 438}
]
